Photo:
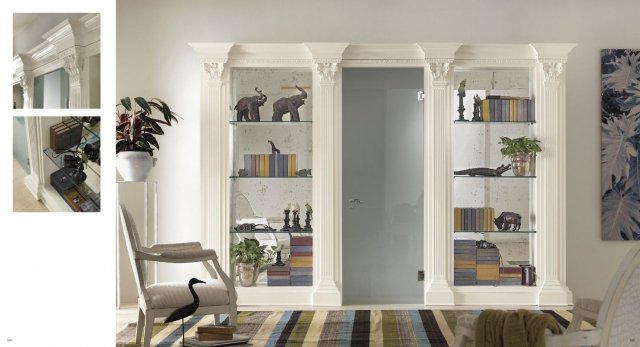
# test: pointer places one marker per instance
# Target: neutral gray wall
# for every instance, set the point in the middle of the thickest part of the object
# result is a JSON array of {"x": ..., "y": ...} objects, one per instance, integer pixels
[{"x": 154, "y": 60}]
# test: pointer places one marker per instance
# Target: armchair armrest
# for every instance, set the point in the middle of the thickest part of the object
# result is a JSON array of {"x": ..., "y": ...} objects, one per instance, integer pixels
[
  {"x": 167, "y": 247},
  {"x": 183, "y": 256}
]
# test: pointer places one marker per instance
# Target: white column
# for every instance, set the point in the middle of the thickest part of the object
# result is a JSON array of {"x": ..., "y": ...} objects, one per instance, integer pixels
[
  {"x": 551, "y": 172},
  {"x": 35, "y": 180},
  {"x": 327, "y": 169},
  {"x": 26, "y": 82},
  {"x": 438, "y": 206},
  {"x": 73, "y": 65},
  {"x": 214, "y": 147}
]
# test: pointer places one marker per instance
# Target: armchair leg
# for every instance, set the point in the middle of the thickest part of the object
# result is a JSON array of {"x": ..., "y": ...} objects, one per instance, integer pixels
[
  {"x": 460, "y": 340},
  {"x": 576, "y": 322},
  {"x": 139, "y": 326},
  {"x": 148, "y": 329},
  {"x": 233, "y": 317}
]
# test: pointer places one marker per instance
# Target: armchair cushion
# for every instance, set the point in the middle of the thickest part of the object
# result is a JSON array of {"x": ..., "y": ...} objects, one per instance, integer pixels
[{"x": 176, "y": 294}]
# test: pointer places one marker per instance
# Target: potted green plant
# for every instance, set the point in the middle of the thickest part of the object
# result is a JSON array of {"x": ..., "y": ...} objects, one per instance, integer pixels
[
  {"x": 522, "y": 152},
  {"x": 249, "y": 256},
  {"x": 136, "y": 129}
]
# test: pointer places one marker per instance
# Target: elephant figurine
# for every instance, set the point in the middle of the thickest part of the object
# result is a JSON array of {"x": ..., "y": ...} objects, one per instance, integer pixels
[
  {"x": 289, "y": 105},
  {"x": 508, "y": 221},
  {"x": 248, "y": 107}
]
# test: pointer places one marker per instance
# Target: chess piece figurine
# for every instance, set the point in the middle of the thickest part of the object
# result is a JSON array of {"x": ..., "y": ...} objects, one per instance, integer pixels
[
  {"x": 476, "y": 109},
  {"x": 286, "y": 226},
  {"x": 307, "y": 225},
  {"x": 461, "y": 95},
  {"x": 279, "y": 261}
]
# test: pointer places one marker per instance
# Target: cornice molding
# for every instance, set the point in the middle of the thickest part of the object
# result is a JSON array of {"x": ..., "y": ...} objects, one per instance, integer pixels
[
  {"x": 439, "y": 52},
  {"x": 553, "y": 51}
]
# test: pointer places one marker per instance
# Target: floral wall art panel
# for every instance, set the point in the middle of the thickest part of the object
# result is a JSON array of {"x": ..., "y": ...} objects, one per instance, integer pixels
[{"x": 620, "y": 144}]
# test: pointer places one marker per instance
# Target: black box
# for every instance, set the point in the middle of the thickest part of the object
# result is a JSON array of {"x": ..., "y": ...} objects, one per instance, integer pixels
[{"x": 61, "y": 180}]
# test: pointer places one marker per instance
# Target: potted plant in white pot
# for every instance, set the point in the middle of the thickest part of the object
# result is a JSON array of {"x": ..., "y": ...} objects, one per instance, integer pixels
[
  {"x": 249, "y": 256},
  {"x": 522, "y": 152},
  {"x": 135, "y": 135}
]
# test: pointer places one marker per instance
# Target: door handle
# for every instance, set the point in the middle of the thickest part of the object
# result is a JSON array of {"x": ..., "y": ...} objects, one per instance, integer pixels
[{"x": 353, "y": 203}]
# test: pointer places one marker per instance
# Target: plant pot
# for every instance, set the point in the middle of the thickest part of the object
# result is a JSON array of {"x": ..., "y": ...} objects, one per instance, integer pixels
[
  {"x": 134, "y": 166},
  {"x": 520, "y": 164},
  {"x": 248, "y": 274}
]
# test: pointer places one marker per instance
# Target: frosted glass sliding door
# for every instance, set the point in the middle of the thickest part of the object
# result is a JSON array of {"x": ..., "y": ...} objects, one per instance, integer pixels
[{"x": 382, "y": 134}]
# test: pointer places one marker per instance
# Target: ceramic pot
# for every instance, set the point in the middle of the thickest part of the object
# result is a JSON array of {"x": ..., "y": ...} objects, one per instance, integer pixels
[
  {"x": 520, "y": 164},
  {"x": 134, "y": 166},
  {"x": 248, "y": 274}
]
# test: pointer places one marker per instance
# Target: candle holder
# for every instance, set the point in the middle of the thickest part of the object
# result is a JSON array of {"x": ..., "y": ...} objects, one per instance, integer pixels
[
  {"x": 307, "y": 221},
  {"x": 461, "y": 95},
  {"x": 286, "y": 226},
  {"x": 296, "y": 221}
]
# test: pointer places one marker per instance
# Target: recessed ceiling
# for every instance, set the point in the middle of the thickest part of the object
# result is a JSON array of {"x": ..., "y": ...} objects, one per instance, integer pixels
[{"x": 21, "y": 20}]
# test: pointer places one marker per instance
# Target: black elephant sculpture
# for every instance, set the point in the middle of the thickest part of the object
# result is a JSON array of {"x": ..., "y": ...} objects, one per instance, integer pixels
[
  {"x": 248, "y": 107},
  {"x": 508, "y": 221},
  {"x": 289, "y": 105}
]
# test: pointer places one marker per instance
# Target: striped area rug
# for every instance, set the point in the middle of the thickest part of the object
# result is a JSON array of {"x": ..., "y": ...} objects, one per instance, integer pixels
[{"x": 328, "y": 328}]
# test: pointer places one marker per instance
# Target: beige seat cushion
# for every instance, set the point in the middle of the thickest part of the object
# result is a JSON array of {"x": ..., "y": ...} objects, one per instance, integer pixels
[{"x": 177, "y": 294}]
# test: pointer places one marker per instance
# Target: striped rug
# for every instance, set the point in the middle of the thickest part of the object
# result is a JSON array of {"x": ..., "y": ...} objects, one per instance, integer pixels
[{"x": 329, "y": 328}]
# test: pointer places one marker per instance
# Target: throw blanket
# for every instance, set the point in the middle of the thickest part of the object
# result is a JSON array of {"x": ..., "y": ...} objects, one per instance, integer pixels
[{"x": 520, "y": 328}]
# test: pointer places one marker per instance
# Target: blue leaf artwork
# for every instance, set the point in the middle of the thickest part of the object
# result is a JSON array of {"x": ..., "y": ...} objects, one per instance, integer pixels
[{"x": 620, "y": 144}]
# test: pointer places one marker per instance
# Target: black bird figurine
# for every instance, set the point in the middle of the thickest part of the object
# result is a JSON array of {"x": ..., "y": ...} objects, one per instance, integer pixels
[{"x": 187, "y": 310}]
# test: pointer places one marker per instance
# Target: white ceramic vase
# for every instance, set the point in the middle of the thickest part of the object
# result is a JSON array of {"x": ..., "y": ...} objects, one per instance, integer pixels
[{"x": 134, "y": 166}]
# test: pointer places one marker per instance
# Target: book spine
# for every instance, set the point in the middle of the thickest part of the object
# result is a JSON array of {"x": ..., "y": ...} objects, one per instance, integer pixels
[
  {"x": 256, "y": 165},
  {"x": 272, "y": 165},
  {"x": 294, "y": 168},
  {"x": 247, "y": 163},
  {"x": 285, "y": 163}
]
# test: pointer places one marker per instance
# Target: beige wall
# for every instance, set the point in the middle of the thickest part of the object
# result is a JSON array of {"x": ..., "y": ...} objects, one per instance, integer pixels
[{"x": 154, "y": 60}]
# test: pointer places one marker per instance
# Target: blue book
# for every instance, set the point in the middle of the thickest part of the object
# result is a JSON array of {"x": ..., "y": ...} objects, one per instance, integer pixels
[
  {"x": 272, "y": 165},
  {"x": 276, "y": 165},
  {"x": 284, "y": 162},
  {"x": 301, "y": 249}
]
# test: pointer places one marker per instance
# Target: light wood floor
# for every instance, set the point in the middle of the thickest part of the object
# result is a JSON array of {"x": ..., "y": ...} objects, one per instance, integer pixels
[{"x": 23, "y": 200}]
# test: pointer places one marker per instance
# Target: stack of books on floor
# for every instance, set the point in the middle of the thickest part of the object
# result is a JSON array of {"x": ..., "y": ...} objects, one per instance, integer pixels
[
  {"x": 278, "y": 276},
  {"x": 301, "y": 260},
  {"x": 488, "y": 267},
  {"x": 511, "y": 276},
  {"x": 507, "y": 109},
  {"x": 473, "y": 218},
  {"x": 219, "y": 335},
  {"x": 271, "y": 165},
  {"x": 464, "y": 266}
]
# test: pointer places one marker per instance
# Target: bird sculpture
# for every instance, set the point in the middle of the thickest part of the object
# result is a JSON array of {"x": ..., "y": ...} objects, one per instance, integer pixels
[{"x": 187, "y": 310}]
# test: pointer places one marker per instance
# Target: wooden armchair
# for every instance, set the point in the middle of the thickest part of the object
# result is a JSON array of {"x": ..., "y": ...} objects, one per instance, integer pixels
[
  {"x": 617, "y": 315},
  {"x": 217, "y": 295}
]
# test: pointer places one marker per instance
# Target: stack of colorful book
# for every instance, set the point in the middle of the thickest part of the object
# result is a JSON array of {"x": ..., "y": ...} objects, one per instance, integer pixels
[
  {"x": 215, "y": 332},
  {"x": 507, "y": 109},
  {"x": 473, "y": 218},
  {"x": 301, "y": 260},
  {"x": 511, "y": 276},
  {"x": 271, "y": 165},
  {"x": 464, "y": 265},
  {"x": 278, "y": 276},
  {"x": 488, "y": 266}
]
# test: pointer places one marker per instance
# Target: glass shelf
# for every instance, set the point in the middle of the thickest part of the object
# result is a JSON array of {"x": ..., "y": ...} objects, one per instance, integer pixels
[
  {"x": 494, "y": 121},
  {"x": 496, "y": 231},
  {"x": 467, "y": 176},
  {"x": 236, "y": 177},
  {"x": 58, "y": 160},
  {"x": 272, "y": 232},
  {"x": 269, "y": 122}
]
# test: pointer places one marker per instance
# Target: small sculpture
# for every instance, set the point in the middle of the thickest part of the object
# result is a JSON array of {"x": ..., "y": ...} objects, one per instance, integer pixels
[
  {"x": 296, "y": 221},
  {"x": 279, "y": 261},
  {"x": 243, "y": 173},
  {"x": 289, "y": 105},
  {"x": 286, "y": 226},
  {"x": 307, "y": 225},
  {"x": 476, "y": 109},
  {"x": 248, "y": 107},
  {"x": 187, "y": 310},
  {"x": 461, "y": 95},
  {"x": 508, "y": 221},
  {"x": 274, "y": 150},
  {"x": 484, "y": 171},
  {"x": 304, "y": 172}
]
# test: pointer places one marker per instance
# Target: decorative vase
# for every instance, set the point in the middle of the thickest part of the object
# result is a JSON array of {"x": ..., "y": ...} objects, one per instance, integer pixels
[
  {"x": 134, "y": 166},
  {"x": 248, "y": 274},
  {"x": 520, "y": 164}
]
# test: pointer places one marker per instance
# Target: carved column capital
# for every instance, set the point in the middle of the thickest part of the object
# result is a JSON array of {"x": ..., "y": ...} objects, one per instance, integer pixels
[
  {"x": 327, "y": 70},
  {"x": 552, "y": 69},
  {"x": 73, "y": 64},
  {"x": 213, "y": 69},
  {"x": 439, "y": 69}
]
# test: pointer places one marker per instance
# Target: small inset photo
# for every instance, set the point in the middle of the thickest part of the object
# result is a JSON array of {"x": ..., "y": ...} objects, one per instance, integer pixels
[
  {"x": 56, "y": 164},
  {"x": 56, "y": 60}
]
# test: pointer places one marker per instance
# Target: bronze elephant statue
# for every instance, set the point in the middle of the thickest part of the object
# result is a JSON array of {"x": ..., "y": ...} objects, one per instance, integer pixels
[
  {"x": 508, "y": 221},
  {"x": 248, "y": 107},
  {"x": 289, "y": 105}
]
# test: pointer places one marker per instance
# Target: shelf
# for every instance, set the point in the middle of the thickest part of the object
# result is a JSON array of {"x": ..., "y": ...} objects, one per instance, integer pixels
[
  {"x": 495, "y": 231},
  {"x": 272, "y": 232},
  {"x": 243, "y": 177},
  {"x": 233, "y": 122},
  {"x": 467, "y": 176},
  {"x": 493, "y": 121}
]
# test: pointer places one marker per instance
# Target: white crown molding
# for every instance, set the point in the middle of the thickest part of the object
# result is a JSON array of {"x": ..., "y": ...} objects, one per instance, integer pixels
[
  {"x": 218, "y": 52},
  {"x": 552, "y": 51},
  {"x": 323, "y": 52},
  {"x": 439, "y": 52}
]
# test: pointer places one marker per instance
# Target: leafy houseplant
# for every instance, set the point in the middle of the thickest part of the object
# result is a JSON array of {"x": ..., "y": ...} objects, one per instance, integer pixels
[
  {"x": 249, "y": 256},
  {"x": 136, "y": 129},
  {"x": 522, "y": 151}
]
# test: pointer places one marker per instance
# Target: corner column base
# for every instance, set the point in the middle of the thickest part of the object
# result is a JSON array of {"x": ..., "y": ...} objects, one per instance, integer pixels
[
  {"x": 439, "y": 293},
  {"x": 554, "y": 293},
  {"x": 327, "y": 294}
]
